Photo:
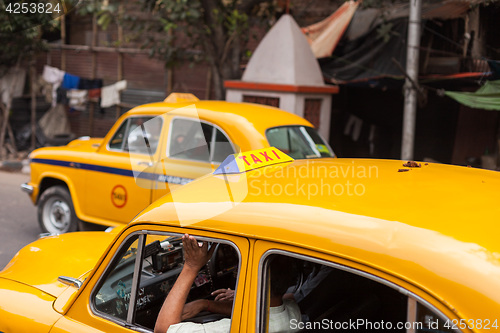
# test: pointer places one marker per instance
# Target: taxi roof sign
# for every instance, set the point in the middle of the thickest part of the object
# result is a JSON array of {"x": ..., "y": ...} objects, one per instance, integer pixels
[
  {"x": 242, "y": 162},
  {"x": 180, "y": 97}
]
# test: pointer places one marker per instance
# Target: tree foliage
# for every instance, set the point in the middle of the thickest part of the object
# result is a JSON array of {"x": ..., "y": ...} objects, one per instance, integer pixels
[
  {"x": 212, "y": 30},
  {"x": 20, "y": 33},
  {"x": 18, "y": 37}
]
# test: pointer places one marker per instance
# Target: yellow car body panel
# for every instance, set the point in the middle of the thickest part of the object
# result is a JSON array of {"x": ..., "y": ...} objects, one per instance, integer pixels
[
  {"x": 428, "y": 231},
  {"x": 104, "y": 184},
  {"x": 433, "y": 227},
  {"x": 81, "y": 253},
  {"x": 25, "y": 309},
  {"x": 77, "y": 152}
]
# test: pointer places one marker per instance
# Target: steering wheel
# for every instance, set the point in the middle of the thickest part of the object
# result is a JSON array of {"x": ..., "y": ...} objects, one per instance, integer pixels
[
  {"x": 219, "y": 272},
  {"x": 211, "y": 266}
]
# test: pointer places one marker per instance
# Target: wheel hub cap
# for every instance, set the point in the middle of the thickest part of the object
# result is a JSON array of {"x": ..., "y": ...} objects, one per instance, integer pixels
[{"x": 57, "y": 216}]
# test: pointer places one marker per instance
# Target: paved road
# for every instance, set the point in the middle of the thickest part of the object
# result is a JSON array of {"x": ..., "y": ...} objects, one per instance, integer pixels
[{"x": 18, "y": 222}]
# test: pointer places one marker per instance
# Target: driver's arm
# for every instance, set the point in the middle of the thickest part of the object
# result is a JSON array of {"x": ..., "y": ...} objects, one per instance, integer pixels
[
  {"x": 192, "y": 309},
  {"x": 195, "y": 257}
]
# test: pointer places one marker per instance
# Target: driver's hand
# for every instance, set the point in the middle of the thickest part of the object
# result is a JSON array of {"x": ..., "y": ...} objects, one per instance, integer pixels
[
  {"x": 195, "y": 256},
  {"x": 191, "y": 309},
  {"x": 223, "y": 294}
]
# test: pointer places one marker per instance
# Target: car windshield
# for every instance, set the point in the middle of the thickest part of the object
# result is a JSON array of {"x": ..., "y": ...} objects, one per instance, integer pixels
[{"x": 299, "y": 142}]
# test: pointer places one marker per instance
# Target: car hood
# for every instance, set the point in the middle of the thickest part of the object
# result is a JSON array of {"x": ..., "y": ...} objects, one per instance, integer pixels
[
  {"x": 75, "y": 148},
  {"x": 40, "y": 263},
  {"x": 91, "y": 144}
]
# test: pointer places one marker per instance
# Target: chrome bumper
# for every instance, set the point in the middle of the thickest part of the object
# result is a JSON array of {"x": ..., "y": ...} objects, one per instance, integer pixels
[{"x": 27, "y": 188}]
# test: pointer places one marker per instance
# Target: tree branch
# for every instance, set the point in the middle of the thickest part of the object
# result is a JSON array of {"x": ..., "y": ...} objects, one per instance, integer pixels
[
  {"x": 228, "y": 44},
  {"x": 218, "y": 35},
  {"x": 247, "y": 6}
]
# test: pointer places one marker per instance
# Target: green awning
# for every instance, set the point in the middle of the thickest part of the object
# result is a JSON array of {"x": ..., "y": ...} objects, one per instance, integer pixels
[{"x": 487, "y": 97}]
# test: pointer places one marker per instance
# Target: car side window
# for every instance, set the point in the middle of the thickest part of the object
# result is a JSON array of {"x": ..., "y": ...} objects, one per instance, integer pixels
[
  {"x": 190, "y": 140},
  {"x": 222, "y": 147},
  {"x": 118, "y": 140},
  {"x": 132, "y": 292},
  {"x": 112, "y": 298},
  {"x": 312, "y": 296},
  {"x": 138, "y": 135},
  {"x": 198, "y": 141},
  {"x": 144, "y": 135}
]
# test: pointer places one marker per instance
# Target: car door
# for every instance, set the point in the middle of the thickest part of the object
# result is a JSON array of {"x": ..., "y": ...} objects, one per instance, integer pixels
[
  {"x": 334, "y": 294},
  {"x": 194, "y": 148},
  {"x": 128, "y": 288},
  {"x": 121, "y": 178}
]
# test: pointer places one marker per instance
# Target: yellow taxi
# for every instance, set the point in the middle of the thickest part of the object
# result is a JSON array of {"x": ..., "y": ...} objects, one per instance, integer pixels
[
  {"x": 151, "y": 150},
  {"x": 372, "y": 245}
]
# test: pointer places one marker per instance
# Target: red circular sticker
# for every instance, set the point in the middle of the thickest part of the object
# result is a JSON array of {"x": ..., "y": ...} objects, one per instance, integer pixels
[{"x": 119, "y": 196}]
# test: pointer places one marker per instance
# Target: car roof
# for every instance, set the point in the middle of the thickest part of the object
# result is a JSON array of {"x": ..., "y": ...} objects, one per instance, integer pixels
[
  {"x": 434, "y": 226},
  {"x": 245, "y": 123},
  {"x": 227, "y": 112}
]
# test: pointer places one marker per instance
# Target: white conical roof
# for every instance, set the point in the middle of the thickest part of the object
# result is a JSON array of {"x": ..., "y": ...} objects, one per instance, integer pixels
[{"x": 284, "y": 57}]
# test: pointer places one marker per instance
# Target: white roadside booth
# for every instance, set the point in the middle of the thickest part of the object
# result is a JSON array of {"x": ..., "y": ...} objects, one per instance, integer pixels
[{"x": 284, "y": 72}]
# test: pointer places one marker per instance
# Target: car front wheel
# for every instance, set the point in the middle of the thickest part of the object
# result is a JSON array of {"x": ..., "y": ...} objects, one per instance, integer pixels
[{"x": 56, "y": 213}]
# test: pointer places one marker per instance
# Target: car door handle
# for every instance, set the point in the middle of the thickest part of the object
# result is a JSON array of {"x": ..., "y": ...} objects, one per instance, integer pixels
[
  {"x": 149, "y": 164},
  {"x": 70, "y": 281}
]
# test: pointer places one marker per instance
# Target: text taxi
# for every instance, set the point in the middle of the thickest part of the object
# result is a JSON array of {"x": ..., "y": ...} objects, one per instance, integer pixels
[
  {"x": 413, "y": 251},
  {"x": 152, "y": 149}
]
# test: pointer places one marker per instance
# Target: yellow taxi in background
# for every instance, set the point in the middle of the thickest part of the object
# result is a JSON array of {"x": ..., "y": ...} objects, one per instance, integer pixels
[
  {"x": 374, "y": 246},
  {"x": 149, "y": 151}
]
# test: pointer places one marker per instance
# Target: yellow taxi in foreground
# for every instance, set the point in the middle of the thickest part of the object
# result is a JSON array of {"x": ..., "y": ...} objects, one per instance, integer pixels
[
  {"x": 152, "y": 149},
  {"x": 373, "y": 246}
]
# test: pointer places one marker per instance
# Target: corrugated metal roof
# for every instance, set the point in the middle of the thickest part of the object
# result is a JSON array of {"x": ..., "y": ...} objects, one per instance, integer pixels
[
  {"x": 446, "y": 10},
  {"x": 365, "y": 19}
]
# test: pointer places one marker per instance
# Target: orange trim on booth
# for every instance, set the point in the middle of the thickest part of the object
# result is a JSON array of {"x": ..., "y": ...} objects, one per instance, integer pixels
[{"x": 326, "y": 89}]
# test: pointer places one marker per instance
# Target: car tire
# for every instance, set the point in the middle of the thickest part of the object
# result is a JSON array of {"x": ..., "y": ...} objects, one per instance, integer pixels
[{"x": 56, "y": 214}]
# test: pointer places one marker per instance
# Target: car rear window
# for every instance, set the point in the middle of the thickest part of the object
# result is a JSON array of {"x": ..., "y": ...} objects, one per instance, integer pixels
[{"x": 298, "y": 142}]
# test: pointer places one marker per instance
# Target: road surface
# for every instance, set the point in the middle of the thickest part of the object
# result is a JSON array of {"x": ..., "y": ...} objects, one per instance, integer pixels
[{"x": 18, "y": 222}]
